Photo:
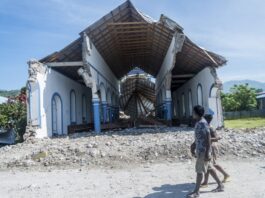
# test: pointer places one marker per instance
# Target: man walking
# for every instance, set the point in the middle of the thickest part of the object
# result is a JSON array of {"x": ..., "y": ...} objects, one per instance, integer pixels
[{"x": 201, "y": 149}]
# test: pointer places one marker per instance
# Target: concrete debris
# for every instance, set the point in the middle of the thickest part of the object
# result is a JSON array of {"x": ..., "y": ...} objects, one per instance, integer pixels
[{"x": 126, "y": 147}]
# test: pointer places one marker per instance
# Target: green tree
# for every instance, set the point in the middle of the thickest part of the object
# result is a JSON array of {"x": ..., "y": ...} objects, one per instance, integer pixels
[
  {"x": 228, "y": 102},
  {"x": 14, "y": 114},
  {"x": 241, "y": 98}
]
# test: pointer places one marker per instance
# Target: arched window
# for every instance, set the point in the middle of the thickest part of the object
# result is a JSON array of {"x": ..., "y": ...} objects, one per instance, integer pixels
[
  {"x": 199, "y": 95},
  {"x": 57, "y": 115},
  {"x": 190, "y": 103},
  {"x": 183, "y": 105},
  {"x": 72, "y": 107},
  {"x": 84, "y": 109}
]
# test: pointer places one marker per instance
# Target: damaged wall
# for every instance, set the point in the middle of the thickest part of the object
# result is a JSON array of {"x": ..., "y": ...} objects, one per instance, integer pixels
[
  {"x": 206, "y": 79},
  {"x": 50, "y": 83}
]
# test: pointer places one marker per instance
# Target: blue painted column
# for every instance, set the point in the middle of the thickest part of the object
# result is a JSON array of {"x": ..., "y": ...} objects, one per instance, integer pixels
[
  {"x": 105, "y": 111},
  {"x": 96, "y": 106},
  {"x": 168, "y": 108}
]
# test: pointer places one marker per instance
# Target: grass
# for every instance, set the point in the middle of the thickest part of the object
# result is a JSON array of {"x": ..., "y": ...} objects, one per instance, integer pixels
[{"x": 245, "y": 123}]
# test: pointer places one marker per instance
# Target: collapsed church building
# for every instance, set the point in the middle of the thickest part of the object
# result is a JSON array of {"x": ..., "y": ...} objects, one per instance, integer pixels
[{"x": 83, "y": 85}]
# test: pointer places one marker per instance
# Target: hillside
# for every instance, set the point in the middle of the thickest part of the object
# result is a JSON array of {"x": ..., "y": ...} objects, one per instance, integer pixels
[
  {"x": 10, "y": 93},
  {"x": 252, "y": 83}
]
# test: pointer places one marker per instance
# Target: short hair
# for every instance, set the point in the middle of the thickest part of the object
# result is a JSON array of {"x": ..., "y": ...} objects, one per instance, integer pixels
[
  {"x": 208, "y": 118},
  {"x": 198, "y": 110}
]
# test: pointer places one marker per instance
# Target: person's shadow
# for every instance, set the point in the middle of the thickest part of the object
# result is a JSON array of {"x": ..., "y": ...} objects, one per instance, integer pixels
[{"x": 171, "y": 191}]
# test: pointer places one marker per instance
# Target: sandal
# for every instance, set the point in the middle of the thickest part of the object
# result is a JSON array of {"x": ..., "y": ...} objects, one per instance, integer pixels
[
  {"x": 219, "y": 189},
  {"x": 226, "y": 179},
  {"x": 193, "y": 195},
  {"x": 204, "y": 185}
]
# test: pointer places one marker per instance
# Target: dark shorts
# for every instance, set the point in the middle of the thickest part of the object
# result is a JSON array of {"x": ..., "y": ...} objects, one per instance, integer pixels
[{"x": 201, "y": 165}]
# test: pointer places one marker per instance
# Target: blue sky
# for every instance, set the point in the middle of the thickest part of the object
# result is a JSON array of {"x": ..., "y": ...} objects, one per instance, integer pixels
[{"x": 36, "y": 28}]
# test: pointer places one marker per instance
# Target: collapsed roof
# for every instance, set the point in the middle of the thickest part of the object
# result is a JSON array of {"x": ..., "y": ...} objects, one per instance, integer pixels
[
  {"x": 137, "y": 95},
  {"x": 127, "y": 38}
]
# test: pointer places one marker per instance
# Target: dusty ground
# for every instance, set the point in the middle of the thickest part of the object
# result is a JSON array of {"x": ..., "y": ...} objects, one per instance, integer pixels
[
  {"x": 134, "y": 163},
  {"x": 167, "y": 180}
]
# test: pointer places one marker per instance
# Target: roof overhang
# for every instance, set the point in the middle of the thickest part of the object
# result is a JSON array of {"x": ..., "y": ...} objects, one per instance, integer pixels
[{"x": 126, "y": 38}]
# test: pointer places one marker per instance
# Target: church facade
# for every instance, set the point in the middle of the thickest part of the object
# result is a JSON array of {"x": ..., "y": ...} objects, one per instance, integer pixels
[{"x": 80, "y": 84}]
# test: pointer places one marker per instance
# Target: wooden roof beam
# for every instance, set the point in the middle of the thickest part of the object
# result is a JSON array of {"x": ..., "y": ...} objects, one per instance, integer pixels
[
  {"x": 127, "y": 23},
  {"x": 178, "y": 81},
  {"x": 65, "y": 64},
  {"x": 183, "y": 76}
]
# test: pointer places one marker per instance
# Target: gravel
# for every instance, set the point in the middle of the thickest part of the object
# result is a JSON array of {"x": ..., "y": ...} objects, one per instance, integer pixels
[{"x": 125, "y": 148}]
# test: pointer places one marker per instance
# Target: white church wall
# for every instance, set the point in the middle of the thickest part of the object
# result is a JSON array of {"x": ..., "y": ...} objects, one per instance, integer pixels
[
  {"x": 167, "y": 65},
  {"x": 100, "y": 69},
  {"x": 55, "y": 83},
  {"x": 205, "y": 79}
]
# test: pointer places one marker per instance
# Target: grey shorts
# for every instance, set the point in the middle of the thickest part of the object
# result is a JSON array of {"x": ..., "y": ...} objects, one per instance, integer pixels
[{"x": 201, "y": 165}]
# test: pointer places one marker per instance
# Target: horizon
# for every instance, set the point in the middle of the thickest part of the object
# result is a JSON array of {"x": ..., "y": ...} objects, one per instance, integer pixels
[{"x": 29, "y": 32}]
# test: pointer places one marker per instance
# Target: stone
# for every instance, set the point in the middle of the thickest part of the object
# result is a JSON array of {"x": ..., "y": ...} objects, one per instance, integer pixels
[{"x": 40, "y": 155}]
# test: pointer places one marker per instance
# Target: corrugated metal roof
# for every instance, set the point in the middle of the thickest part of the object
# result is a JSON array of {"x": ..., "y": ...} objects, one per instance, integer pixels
[{"x": 261, "y": 96}]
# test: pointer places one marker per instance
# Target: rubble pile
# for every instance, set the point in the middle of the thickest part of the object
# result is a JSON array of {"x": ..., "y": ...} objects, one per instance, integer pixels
[{"x": 126, "y": 147}]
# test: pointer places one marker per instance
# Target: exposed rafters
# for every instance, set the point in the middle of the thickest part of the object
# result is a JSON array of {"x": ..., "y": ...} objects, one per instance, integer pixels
[{"x": 127, "y": 38}]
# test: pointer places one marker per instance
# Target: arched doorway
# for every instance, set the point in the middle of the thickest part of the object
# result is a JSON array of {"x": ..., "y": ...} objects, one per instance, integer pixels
[
  {"x": 215, "y": 107},
  {"x": 57, "y": 115}
]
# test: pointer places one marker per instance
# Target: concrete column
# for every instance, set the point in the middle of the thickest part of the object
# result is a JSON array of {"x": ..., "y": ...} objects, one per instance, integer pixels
[
  {"x": 168, "y": 109},
  {"x": 96, "y": 106},
  {"x": 105, "y": 111},
  {"x": 168, "y": 106}
]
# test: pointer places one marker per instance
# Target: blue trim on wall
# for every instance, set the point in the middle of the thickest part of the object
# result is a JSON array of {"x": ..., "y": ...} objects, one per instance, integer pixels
[
  {"x": 71, "y": 119},
  {"x": 53, "y": 96}
]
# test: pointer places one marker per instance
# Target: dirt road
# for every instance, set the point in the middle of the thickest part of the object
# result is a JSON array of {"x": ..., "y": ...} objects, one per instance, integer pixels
[{"x": 167, "y": 180}]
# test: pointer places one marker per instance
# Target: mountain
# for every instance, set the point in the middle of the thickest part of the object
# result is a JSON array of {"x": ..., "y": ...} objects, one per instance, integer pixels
[
  {"x": 10, "y": 93},
  {"x": 252, "y": 83}
]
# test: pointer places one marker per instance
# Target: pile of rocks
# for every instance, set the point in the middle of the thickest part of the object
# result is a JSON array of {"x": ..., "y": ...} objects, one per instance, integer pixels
[{"x": 126, "y": 147}]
